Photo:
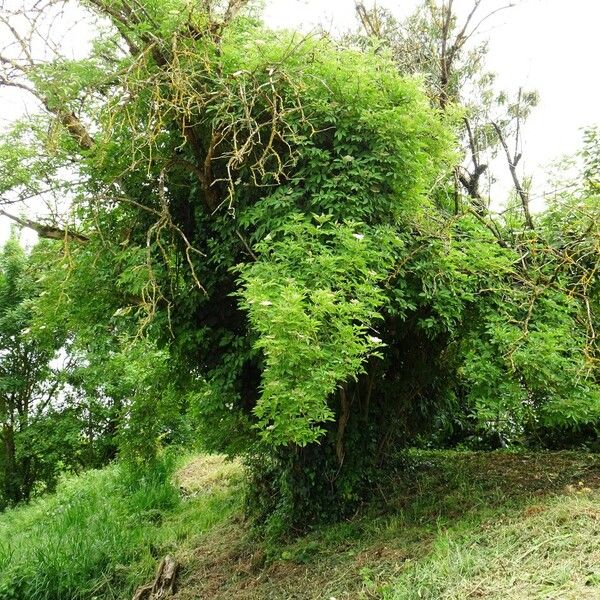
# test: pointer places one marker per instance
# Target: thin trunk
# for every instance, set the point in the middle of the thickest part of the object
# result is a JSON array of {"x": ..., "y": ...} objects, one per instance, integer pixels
[
  {"x": 12, "y": 490},
  {"x": 340, "y": 450}
]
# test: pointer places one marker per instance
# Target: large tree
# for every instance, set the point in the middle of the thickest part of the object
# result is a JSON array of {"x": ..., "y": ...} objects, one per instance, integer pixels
[{"x": 262, "y": 221}]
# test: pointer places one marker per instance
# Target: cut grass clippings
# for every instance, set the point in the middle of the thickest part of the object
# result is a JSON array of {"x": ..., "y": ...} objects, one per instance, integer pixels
[
  {"x": 548, "y": 551},
  {"x": 451, "y": 525}
]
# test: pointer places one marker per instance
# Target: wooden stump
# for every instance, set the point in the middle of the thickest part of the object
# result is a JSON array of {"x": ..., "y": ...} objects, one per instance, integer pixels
[{"x": 163, "y": 585}]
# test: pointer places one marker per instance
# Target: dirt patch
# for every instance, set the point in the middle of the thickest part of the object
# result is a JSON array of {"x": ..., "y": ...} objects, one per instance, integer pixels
[
  {"x": 531, "y": 511},
  {"x": 378, "y": 554}
]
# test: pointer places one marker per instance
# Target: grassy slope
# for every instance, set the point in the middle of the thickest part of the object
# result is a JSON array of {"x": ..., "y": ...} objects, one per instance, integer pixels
[
  {"x": 462, "y": 525},
  {"x": 454, "y": 526},
  {"x": 101, "y": 534}
]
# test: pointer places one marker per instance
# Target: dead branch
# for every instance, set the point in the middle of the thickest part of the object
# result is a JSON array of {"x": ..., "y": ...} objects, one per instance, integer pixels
[
  {"x": 512, "y": 166},
  {"x": 164, "y": 581},
  {"x": 368, "y": 20}
]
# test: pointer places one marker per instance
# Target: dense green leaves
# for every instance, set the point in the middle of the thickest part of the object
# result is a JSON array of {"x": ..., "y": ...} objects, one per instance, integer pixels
[
  {"x": 274, "y": 258},
  {"x": 314, "y": 299},
  {"x": 28, "y": 383}
]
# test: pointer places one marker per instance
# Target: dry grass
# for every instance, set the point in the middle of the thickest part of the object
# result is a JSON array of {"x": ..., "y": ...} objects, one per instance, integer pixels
[{"x": 206, "y": 473}]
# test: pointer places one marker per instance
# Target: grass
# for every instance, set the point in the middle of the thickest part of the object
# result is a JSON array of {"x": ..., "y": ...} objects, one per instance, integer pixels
[
  {"x": 100, "y": 535},
  {"x": 447, "y": 526},
  {"x": 454, "y": 525},
  {"x": 549, "y": 550}
]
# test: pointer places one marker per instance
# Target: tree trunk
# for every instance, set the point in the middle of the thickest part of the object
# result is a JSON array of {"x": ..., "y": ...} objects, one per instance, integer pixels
[
  {"x": 12, "y": 489},
  {"x": 164, "y": 582}
]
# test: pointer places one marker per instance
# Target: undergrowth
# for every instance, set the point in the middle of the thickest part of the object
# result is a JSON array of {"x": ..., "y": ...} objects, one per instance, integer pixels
[
  {"x": 101, "y": 534},
  {"x": 443, "y": 526}
]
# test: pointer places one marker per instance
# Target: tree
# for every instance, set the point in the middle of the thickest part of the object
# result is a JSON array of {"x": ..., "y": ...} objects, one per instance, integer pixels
[
  {"x": 434, "y": 43},
  {"x": 28, "y": 384},
  {"x": 260, "y": 222}
]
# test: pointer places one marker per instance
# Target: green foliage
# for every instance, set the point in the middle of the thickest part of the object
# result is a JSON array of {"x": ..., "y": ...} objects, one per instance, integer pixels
[
  {"x": 313, "y": 300},
  {"x": 271, "y": 243},
  {"x": 591, "y": 158},
  {"x": 152, "y": 404},
  {"x": 28, "y": 383}
]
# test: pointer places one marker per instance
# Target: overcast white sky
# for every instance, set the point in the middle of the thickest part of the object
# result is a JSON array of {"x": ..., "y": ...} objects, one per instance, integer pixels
[{"x": 549, "y": 45}]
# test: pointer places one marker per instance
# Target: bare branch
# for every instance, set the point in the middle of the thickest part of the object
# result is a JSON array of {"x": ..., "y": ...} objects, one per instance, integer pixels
[
  {"x": 512, "y": 166},
  {"x": 372, "y": 27},
  {"x": 50, "y": 232}
]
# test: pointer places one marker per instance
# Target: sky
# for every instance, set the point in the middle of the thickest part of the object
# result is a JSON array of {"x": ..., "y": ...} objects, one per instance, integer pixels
[{"x": 552, "y": 46}]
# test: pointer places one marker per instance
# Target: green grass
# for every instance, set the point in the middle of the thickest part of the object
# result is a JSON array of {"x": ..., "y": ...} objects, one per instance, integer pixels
[
  {"x": 547, "y": 551},
  {"x": 444, "y": 526},
  {"x": 100, "y": 535}
]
